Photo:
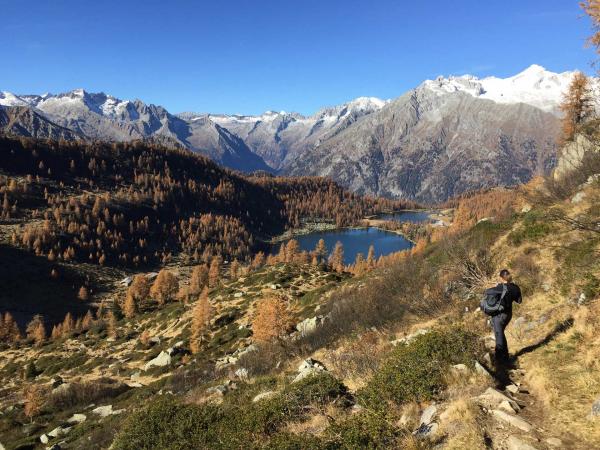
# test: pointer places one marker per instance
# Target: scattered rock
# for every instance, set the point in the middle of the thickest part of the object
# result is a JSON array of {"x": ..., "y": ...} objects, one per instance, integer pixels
[
  {"x": 44, "y": 439},
  {"x": 59, "y": 431},
  {"x": 126, "y": 281},
  {"x": 222, "y": 389},
  {"x": 77, "y": 418},
  {"x": 2, "y": 446},
  {"x": 578, "y": 197},
  {"x": 507, "y": 406},
  {"x": 554, "y": 442},
  {"x": 512, "y": 420},
  {"x": 241, "y": 373},
  {"x": 410, "y": 337},
  {"x": 56, "y": 382},
  {"x": 135, "y": 384},
  {"x": 107, "y": 410},
  {"x": 460, "y": 367},
  {"x": 514, "y": 443},
  {"x": 308, "y": 367},
  {"x": 309, "y": 326},
  {"x": 492, "y": 398},
  {"x": 275, "y": 286},
  {"x": 151, "y": 275},
  {"x": 595, "y": 412},
  {"x": 136, "y": 375},
  {"x": 154, "y": 340},
  {"x": 479, "y": 369},
  {"x": 512, "y": 388},
  {"x": 263, "y": 396},
  {"x": 238, "y": 294},
  {"x": 162, "y": 360},
  {"x": 428, "y": 415}
]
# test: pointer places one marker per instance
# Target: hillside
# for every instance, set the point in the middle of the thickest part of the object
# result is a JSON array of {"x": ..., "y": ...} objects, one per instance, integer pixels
[{"x": 395, "y": 354}]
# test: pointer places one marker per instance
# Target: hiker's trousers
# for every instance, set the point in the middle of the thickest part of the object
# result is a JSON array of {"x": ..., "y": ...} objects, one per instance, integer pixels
[{"x": 499, "y": 322}]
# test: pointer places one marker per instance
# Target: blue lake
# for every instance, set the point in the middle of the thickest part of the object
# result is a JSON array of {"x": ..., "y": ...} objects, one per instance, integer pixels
[{"x": 354, "y": 241}]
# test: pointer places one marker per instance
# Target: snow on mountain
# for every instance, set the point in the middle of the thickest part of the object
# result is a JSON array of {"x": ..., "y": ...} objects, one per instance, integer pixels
[{"x": 535, "y": 86}]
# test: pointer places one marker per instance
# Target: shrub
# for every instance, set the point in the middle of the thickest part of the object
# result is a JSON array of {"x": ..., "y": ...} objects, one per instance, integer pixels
[
  {"x": 166, "y": 424},
  {"x": 534, "y": 226},
  {"x": 366, "y": 431},
  {"x": 416, "y": 371},
  {"x": 237, "y": 423},
  {"x": 290, "y": 441}
]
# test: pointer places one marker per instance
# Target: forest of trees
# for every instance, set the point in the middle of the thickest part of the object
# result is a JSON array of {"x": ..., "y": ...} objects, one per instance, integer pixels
[{"x": 137, "y": 203}]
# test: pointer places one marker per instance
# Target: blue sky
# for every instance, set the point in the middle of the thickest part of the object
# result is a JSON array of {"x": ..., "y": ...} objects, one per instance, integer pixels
[{"x": 243, "y": 56}]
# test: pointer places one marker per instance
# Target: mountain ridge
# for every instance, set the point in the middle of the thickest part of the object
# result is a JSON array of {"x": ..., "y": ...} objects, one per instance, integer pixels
[{"x": 335, "y": 141}]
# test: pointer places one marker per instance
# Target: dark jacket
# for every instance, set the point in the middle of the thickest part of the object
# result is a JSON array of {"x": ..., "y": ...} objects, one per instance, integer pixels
[{"x": 513, "y": 294}]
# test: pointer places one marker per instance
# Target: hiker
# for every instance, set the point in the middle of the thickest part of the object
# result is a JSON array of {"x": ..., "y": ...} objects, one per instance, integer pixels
[{"x": 497, "y": 303}]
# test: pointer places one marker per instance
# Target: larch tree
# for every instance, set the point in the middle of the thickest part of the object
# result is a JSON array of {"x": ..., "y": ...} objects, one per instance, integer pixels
[
  {"x": 36, "y": 330},
  {"x": 272, "y": 319},
  {"x": 33, "y": 400},
  {"x": 198, "y": 280},
  {"x": 292, "y": 249},
  {"x": 337, "y": 257},
  {"x": 214, "y": 273},
  {"x": 234, "y": 269},
  {"x": 111, "y": 325},
  {"x": 592, "y": 9},
  {"x": 68, "y": 325},
  {"x": 320, "y": 251},
  {"x": 165, "y": 287},
  {"x": 577, "y": 106},
  {"x": 258, "y": 261},
  {"x": 371, "y": 258},
  {"x": 139, "y": 289},
  {"x": 83, "y": 294},
  {"x": 201, "y": 317},
  {"x": 129, "y": 306}
]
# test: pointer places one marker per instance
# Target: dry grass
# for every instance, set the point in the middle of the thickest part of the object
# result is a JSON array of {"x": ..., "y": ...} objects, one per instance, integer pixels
[{"x": 462, "y": 422}]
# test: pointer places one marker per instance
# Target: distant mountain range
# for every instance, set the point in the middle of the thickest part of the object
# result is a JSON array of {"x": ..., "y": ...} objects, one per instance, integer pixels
[{"x": 445, "y": 137}]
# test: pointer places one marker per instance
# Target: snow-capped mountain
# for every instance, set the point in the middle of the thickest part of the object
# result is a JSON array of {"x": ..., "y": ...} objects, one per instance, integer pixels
[
  {"x": 535, "y": 86},
  {"x": 442, "y": 138},
  {"x": 104, "y": 117},
  {"x": 277, "y": 136}
]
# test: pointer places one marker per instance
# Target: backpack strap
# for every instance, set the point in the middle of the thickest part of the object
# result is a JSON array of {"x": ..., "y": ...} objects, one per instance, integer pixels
[{"x": 504, "y": 292}]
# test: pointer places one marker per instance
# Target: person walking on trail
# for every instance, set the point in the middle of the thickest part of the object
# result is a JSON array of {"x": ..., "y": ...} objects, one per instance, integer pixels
[{"x": 497, "y": 303}]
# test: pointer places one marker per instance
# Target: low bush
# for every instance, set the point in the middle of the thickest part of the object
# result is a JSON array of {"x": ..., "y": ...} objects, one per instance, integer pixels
[
  {"x": 533, "y": 227},
  {"x": 416, "y": 370},
  {"x": 365, "y": 431},
  {"x": 236, "y": 423}
]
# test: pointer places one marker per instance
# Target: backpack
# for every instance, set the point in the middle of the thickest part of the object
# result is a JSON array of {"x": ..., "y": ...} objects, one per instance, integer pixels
[{"x": 492, "y": 302}]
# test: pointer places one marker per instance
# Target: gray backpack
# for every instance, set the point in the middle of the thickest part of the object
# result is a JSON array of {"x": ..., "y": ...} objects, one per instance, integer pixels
[{"x": 492, "y": 302}]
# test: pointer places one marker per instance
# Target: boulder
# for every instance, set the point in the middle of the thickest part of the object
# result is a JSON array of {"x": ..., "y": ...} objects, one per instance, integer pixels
[
  {"x": 238, "y": 294},
  {"x": 493, "y": 398},
  {"x": 44, "y": 439},
  {"x": 479, "y": 369},
  {"x": 126, "y": 282},
  {"x": 77, "y": 418},
  {"x": 578, "y": 197},
  {"x": 263, "y": 396},
  {"x": 309, "y": 367},
  {"x": 505, "y": 405},
  {"x": 59, "y": 431},
  {"x": 107, "y": 410},
  {"x": 428, "y": 415},
  {"x": 309, "y": 326},
  {"x": 162, "y": 360},
  {"x": 512, "y": 420},
  {"x": 514, "y": 443},
  {"x": 154, "y": 340}
]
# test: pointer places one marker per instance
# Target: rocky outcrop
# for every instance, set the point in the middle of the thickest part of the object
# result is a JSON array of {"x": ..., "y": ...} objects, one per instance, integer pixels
[
  {"x": 309, "y": 367},
  {"x": 163, "y": 359}
]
